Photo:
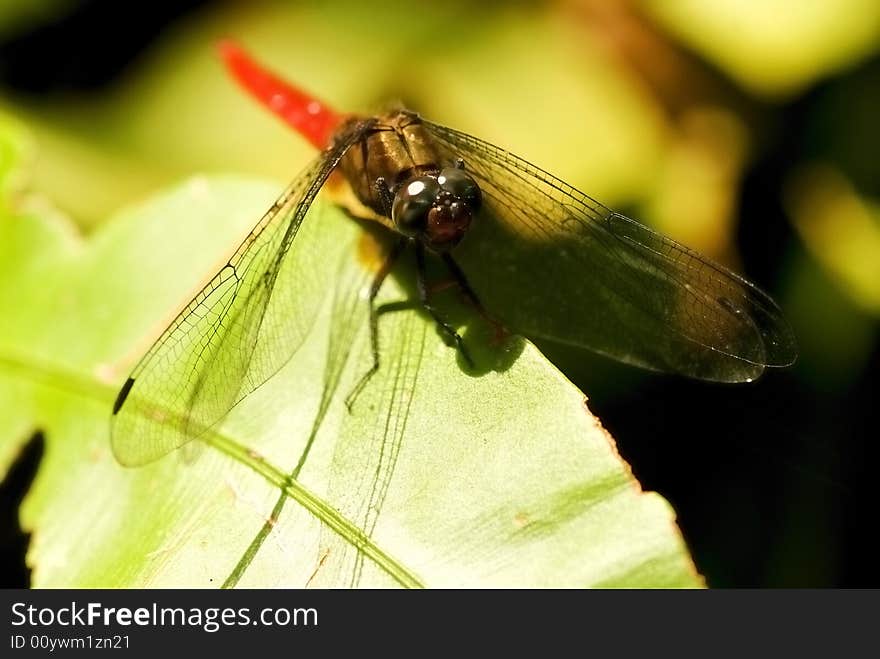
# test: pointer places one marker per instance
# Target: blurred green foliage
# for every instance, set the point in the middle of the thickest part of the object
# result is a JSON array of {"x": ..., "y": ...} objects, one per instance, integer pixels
[
  {"x": 16, "y": 17},
  {"x": 777, "y": 47}
]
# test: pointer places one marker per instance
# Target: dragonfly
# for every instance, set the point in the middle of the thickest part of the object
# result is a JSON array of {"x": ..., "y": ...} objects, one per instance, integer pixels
[{"x": 543, "y": 258}]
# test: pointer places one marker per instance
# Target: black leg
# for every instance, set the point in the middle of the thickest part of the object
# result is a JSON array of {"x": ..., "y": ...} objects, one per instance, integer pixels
[
  {"x": 462, "y": 282},
  {"x": 374, "y": 319},
  {"x": 425, "y": 297},
  {"x": 384, "y": 194},
  {"x": 471, "y": 295}
]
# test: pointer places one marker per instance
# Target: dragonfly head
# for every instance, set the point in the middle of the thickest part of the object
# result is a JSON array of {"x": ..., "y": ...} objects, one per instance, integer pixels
[{"x": 437, "y": 209}]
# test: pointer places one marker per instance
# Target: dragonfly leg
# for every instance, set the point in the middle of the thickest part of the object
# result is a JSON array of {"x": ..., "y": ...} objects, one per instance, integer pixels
[
  {"x": 384, "y": 194},
  {"x": 374, "y": 320},
  {"x": 471, "y": 295},
  {"x": 425, "y": 297}
]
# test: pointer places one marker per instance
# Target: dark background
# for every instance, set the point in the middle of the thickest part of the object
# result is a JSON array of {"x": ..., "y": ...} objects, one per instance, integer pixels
[{"x": 772, "y": 482}]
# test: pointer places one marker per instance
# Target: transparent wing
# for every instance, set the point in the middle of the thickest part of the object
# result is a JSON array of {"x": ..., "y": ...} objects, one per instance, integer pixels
[
  {"x": 235, "y": 334},
  {"x": 553, "y": 263}
]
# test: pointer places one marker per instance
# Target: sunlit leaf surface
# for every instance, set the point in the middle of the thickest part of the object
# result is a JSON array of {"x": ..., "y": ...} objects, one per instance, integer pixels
[{"x": 437, "y": 478}]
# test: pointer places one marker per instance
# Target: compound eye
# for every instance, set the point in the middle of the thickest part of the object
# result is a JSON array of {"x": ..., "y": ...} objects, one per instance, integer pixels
[
  {"x": 409, "y": 212},
  {"x": 462, "y": 185}
]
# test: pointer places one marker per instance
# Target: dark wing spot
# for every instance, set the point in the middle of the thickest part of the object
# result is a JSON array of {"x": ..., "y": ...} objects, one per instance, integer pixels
[{"x": 122, "y": 395}]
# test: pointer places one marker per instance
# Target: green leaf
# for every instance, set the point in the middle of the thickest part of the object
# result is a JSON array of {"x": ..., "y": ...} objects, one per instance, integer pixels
[{"x": 438, "y": 477}]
